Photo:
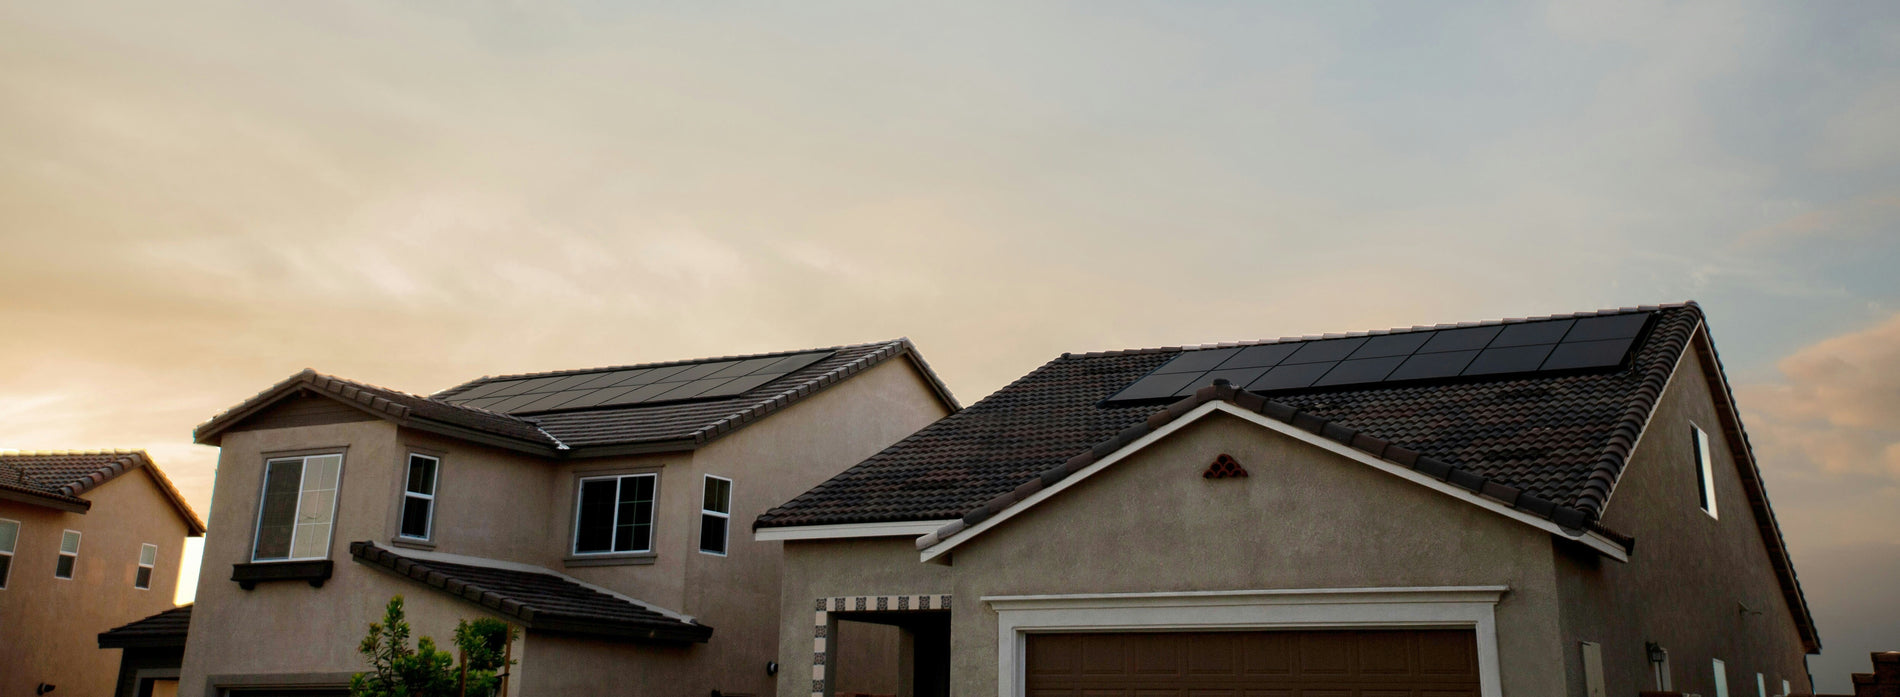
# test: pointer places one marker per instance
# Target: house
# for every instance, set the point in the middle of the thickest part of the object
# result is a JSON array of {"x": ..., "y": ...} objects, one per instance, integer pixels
[
  {"x": 88, "y": 540},
  {"x": 1561, "y": 505},
  {"x": 592, "y": 509},
  {"x": 153, "y": 649}
]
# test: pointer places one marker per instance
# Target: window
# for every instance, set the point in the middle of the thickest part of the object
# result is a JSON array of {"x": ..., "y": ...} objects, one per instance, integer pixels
[
  {"x": 615, "y": 514},
  {"x": 1593, "y": 669},
  {"x": 1761, "y": 685},
  {"x": 715, "y": 515},
  {"x": 1721, "y": 679},
  {"x": 1786, "y": 689},
  {"x": 1704, "y": 470},
  {"x": 148, "y": 558},
  {"x": 9, "y": 537},
  {"x": 68, "y": 554},
  {"x": 418, "y": 497},
  {"x": 299, "y": 506}
]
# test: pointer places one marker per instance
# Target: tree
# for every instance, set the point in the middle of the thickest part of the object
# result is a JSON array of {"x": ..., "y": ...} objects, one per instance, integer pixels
[{"x": 399, "y": 671}]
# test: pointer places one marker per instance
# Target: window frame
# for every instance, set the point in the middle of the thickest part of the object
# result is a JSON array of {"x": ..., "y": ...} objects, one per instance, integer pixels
[
  {"x": 435, "y": 485},
  {"x": 336, "y": 503},
  {"x": 7, "y": 571},
  {"x": 63, "y": 555},
  {"x": 725, "y": 543},
  {"x": 149, "y": 570},
  {"x": 653, "y": 521},
  {"x": 1705, "y": 470},
  {"x": 1721, "y": 677}
]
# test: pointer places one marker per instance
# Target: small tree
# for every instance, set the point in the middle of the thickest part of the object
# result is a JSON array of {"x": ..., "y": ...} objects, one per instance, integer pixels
[{"x": 398, "y": 671}]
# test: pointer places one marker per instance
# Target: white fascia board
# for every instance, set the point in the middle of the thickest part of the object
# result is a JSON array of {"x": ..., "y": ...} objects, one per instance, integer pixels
[
  {"x": 1593, "y": 540},
  {"x": 906, "y": 528}
]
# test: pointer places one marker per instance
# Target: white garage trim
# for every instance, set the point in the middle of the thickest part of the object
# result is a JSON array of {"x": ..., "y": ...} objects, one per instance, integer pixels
[{"x": 1470, "y": 607}]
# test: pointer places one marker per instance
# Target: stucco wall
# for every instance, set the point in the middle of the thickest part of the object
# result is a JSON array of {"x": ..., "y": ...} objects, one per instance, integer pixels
[
  {"x": 1305, "y": 518},
  {"x": 1690, "y": 574},
  {"x": 49, "y": 628}
]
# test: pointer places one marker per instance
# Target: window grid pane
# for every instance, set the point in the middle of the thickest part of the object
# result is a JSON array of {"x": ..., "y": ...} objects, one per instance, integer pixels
[
  {"x": 277, "y": 514},
  {"x": 415, "y": 516},
  {"x": 9, "y": 536},
  {"x": 6, "y": 568},
  {"x": 65, "y": 568},
  {"x": 712, "y": 533},
  {"x": 69, "y": 542},
  {"x": 422, "y": 470},
  {"x": 594, "y": 529},
  {"x": 148, "y": 555},
  {"x": 144, "y": 581}
]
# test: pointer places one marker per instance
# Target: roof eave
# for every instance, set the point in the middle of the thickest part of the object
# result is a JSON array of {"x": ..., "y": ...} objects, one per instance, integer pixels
[{"x": 35, "y": 498}]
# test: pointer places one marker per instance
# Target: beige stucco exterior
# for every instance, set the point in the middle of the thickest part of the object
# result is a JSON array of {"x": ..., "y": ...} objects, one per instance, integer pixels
[
  {"x": 1304, "y": 519},
  {"x": 1690, "y": 575},
  {"x": 519, "y": 508},
  {"x": 49, "y": 627}
]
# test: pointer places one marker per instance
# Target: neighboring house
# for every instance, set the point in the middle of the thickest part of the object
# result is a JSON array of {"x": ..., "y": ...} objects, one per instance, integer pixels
[
  {"x": 153, "y": 649},
  {"x": 88, "y": 541},
  {"x": 1554, "y": 506},
  {"x": 592, "y": 508}
]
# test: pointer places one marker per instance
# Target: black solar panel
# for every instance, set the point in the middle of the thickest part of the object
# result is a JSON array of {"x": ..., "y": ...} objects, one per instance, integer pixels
[
  {"x": 706, "y": 380},
  {"x": 1430, "y": 354}
]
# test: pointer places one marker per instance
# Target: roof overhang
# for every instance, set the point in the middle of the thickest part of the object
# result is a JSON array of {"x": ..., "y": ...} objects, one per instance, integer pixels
[
  {"x": 936, "y": 551},
  {"x": 905, "y": 528},
  {"x": 47, "y": 500}
]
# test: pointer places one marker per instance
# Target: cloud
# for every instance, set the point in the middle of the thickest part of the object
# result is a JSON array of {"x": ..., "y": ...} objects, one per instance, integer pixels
[{"x": 1839, "y": 405}]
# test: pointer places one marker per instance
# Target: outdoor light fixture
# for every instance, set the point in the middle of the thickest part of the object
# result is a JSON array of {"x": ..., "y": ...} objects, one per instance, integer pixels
[
  {"x": 1656, "y": 652},
  {"x": 771, "y": 667}
]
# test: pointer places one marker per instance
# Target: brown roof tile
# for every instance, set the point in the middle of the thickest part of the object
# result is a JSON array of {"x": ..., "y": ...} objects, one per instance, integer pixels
[{"x": 62, "y": 476}]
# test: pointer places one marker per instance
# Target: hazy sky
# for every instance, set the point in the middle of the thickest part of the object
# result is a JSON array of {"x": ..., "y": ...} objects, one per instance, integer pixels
[{"x": 197, "y": 200}]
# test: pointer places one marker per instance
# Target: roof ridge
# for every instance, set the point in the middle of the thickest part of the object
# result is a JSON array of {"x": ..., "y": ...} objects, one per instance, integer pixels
[
  {"x": 658, "y": 364},
  {"x": 1383, "y": 332},
  {"x": 1629, "y": 427}
]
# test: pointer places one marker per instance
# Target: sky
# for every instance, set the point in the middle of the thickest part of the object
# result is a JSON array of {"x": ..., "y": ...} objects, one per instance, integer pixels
[{"x": 198, "y": 199}]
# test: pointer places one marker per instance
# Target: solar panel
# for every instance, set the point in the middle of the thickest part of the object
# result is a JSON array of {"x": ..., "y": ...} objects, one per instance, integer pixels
[
  {"x": 708, "y": 379},
  {"x": 1324, "y": 350},
  {"x": 1588, "y": 343}
]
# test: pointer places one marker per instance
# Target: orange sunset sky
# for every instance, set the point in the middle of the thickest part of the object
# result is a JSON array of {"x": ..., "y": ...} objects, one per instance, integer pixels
[{"x": 200, "y": 199}]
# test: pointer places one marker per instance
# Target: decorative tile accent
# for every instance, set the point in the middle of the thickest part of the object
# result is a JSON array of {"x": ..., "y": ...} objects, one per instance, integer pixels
[
  {"x": 1224, "y": 467},
  {"x": 857, "y": 603}
]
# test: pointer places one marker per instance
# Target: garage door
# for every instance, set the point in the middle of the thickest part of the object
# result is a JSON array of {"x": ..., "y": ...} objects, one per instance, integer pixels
[{"x": 1380, "y": 663}]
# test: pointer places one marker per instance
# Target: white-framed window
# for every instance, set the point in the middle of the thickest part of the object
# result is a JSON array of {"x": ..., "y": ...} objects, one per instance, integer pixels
[
  {"x": 148, "y": 559},
  {"x": 615, "y": 514},
  {"x": 1704, "y": 470},
  {"x": 715, "y": 515},
  {"x": 418, "y": 497},
  {"x": 298, "y": 510},
  {"x": 1787, "y": 688},
  {"x": 1761, "y": 685},
  {"x": 68, "y": 554},
  {"x": 9, "y": 540},
  {"x": 1721, "y": 678}
]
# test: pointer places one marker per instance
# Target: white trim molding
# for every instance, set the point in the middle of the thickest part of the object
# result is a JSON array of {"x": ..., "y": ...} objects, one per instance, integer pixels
[
  {"x": 1595, "y": 541},
  {"x": 1471, "y": 607},
  {"x": 906, "y": 528}
]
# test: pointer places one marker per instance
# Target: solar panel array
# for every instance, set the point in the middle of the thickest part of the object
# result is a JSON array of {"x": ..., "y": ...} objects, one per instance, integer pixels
[
  {"x": 633, "y": 385},
  {"x": 1497, "y": 350}
]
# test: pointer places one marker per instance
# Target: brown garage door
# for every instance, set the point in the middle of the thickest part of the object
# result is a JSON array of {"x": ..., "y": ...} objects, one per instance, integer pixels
[{"x": 1379, "y": 663}]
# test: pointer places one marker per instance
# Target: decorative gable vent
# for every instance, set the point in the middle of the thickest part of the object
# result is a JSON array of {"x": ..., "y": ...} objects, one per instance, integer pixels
[{"x": 1224, "y": 467}]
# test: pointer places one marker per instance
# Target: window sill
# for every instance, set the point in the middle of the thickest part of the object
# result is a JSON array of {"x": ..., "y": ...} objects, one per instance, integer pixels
[
  {"x": 249, "y": 575},
  {"x": 412, "y": 543},
  {"x": 633, "y": 559}
]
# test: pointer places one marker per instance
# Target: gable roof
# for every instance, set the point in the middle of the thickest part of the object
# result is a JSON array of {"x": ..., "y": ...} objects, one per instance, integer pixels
[
  {"x": 165, "y": 629},
  {"x": 541, "y": 600},
  {"x": 1549, "y": 445},
  {"x": 57, "y": 478},
  {"x": 595, "y": 431}
]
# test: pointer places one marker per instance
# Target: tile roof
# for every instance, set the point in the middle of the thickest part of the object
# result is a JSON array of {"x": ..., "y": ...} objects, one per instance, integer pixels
[
  {"x": 63, "y": 475},
  {"x": 541, "y": 600},
  {"x": 597, "y": 431},
  {"x": 165, "y": 629},
  {"x": 1559, "y": 439}
]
